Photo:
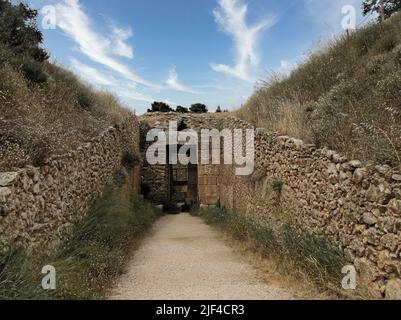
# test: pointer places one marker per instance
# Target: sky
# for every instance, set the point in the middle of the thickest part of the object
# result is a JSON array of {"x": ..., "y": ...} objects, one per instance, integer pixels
[{"x": 185, "y": 51}]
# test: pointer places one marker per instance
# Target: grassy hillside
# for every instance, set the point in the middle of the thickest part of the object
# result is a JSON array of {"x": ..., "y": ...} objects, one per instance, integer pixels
[
  {"x": 44, "y": 109},
  {"x": 346, "y": 96},
  {"x": 37, "y": 120}
]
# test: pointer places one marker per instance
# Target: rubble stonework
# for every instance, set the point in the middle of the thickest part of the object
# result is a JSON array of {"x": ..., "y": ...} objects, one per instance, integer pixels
[
  {"x": 356, "y": 205},
  {"x": 38, "y": 206}
]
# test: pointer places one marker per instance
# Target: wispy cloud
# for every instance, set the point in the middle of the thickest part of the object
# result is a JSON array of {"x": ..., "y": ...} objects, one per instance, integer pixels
[
  {"x": 213, "y": 86},
  {"x": 122, "y": 88},
  {"x": 231, "y": 17},
  {"x": 92, "y": 75},
  {"x": 120, "y": 48},
  {"x": 174, "y": 83},
  {"x": 128, "y": 93},
  {"x": 73, "y": 21}
]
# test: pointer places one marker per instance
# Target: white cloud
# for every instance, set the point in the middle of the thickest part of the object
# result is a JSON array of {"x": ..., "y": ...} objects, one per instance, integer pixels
[
  {"x": 128, "y": 93},
  {"x": 231, "y": 16},
  {"x": 92, "y": 75},
  {"x": 73, "y": 21},
  {"x": 120, "y": 48},
  {"x": 213, "y": 86},
  {"x": 122, "y": 88},
  {"x": 173, "y": 82}
]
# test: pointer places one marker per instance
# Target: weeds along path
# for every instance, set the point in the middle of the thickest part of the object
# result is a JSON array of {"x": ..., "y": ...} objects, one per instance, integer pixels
[{"x": 184, "y": 258}]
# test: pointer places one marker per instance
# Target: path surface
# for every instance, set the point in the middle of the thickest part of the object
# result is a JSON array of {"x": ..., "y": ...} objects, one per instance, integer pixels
[{"x": 184, "y": 258}]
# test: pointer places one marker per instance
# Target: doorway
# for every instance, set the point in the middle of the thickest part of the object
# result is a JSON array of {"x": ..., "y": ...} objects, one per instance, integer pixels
[{"x": 184, "y": 185}]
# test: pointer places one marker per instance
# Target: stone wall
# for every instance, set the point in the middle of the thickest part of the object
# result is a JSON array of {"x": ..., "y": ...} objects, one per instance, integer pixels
[
  {"x": 356, "y": 205},
  {"x": 38, "y": 206},
  {"x": 156, "y": 177}
]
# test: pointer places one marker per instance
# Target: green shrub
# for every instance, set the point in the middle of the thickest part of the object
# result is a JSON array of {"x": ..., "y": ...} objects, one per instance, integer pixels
[
  {"x": 21, "y": 39},
  {"x": 365, "y": 38},
  {"x": 266, "y": 238},
  {"x": 277, "y": 185},
  {"x": 20, "y": 277},
  {"x": 160, "y": 107},
  {"x": 120, "y": 178},
  {"x": 198, "y": 108},
  {"x": 385, "y": 8},
  {"x": 130, "y": 160},
  {"x": 314, "y": 254},
  {"x": 85, "y": 101},
  {"x": 214, "y": 215},
  {"x": 33, "y": 71},
  {"x": 181, "y": 109},
  {"x": 385, "y": 43},
  {"x": 88, "y": 261}
]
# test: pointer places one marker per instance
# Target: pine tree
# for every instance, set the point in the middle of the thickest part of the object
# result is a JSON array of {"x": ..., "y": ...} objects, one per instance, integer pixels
[
  {"x": 198, "y": 108},
  {"x": 21, "y": 40},
  {"x": 384, "y": 7}
]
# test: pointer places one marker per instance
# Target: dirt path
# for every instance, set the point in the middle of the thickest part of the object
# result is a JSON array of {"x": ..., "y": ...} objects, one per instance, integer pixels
[{"x": 184, "y": 258}]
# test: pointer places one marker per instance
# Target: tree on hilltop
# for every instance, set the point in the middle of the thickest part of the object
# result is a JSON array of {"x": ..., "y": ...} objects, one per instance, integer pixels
[
  {"x": 160, "y": 107},
  {"x": 198, "y": 108},
  {"x": 21, "y": 40},
  {"x": 383, "y": 7},
  {"x": 181, "y": 109}
]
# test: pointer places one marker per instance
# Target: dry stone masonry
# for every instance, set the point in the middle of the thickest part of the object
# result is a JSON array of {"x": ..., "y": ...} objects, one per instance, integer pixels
[
  {"x": 356, "y": 205},
  {"x": 38, "y": 206}
]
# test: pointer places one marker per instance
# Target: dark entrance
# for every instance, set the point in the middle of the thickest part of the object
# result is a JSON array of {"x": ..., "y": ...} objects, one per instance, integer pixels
[
  {"x": 184, "y": 185},
  {"x": 183, "y": 181}
]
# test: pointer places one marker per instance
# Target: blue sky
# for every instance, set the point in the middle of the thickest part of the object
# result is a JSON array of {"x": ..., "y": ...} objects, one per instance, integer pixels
[{"x": 185, "y": 51}]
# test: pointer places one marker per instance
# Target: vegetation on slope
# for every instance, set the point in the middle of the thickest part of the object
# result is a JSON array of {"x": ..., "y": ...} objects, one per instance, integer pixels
[
  {"x": 44, "y": 109},
  {"x": 296, "y": 251},
  {"x": 90, "y": 259},
  {"x": 346, "y": 96}
]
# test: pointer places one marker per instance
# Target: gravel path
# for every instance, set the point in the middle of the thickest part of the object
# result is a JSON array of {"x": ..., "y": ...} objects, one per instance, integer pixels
[{"x": 184, "y": 258}]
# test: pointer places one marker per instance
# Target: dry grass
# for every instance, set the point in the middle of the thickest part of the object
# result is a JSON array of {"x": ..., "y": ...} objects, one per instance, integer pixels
[
  {"x": 346, "y": 95},
  {"x": 91, "y": 259},
  {"x": 308, "y": 263},
  {"x": 38, "y": 120},
  {"x": 274, "y": 269}
]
